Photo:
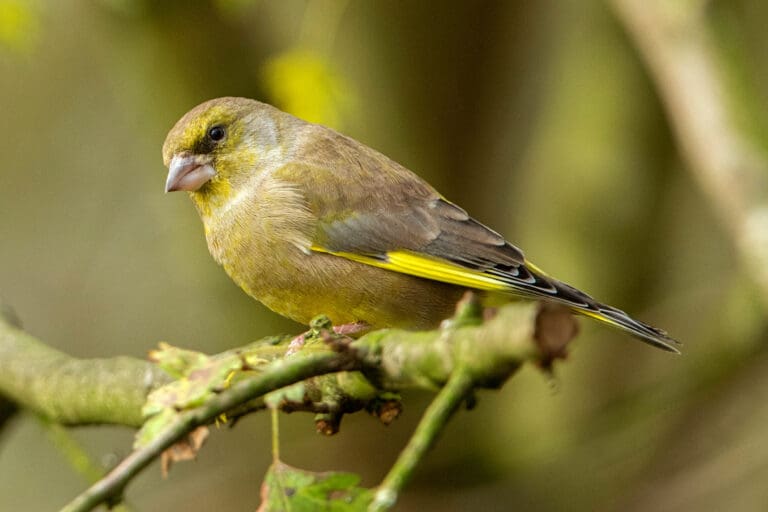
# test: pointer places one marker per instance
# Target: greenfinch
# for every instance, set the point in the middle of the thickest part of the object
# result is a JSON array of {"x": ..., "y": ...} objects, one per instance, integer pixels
[{"x": 309, "y": 221}]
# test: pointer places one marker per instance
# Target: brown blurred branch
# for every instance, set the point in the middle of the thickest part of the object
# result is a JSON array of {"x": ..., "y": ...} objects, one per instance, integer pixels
[
  {"x": 674, "y": 41},
  {"x": 7, "y": 411}
]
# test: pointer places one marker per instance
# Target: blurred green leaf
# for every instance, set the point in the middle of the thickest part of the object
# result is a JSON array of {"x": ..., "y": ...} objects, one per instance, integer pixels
[
  {"x": 19, "y": 25},
  {"x": 306, "y": 84},
  {"x": 286, "y": 488}
]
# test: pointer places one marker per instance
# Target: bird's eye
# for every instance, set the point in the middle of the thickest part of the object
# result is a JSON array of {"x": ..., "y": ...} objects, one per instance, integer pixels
[{"x": 216, "y": 133}]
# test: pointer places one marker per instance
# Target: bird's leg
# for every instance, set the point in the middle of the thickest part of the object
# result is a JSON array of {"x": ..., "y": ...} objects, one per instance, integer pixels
[
  {"x": 344, "y": 329},
  {"x": 351, "y": 329},
  {"x": 296, "y": 343}
]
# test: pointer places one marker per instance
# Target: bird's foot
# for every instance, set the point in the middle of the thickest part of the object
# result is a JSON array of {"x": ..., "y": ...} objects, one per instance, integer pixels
[
  {"x": 296, "y": 343},
  {"x": 350, "y": 329}
]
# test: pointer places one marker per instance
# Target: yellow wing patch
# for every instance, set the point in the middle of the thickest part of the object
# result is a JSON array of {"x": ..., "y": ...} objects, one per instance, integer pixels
[
  {"x": 534, "y": 268},
  {"x": 598, "y": 316},
  {"x": 428, "y": 267}
]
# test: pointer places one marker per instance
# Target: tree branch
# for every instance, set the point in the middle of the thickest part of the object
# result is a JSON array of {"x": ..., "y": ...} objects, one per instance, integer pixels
[
  {"x": 73, "y": 391},
  {"x": 7, "y": 411},
  {"x": 674, "y": 41},
  {"x": 431, "y": 425},
  {"x": 277, "y": 375},
  {"x": 464, "y": 353}
]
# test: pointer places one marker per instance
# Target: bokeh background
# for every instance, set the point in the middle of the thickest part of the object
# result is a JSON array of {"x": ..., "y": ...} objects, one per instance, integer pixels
[{"x": 538, "y": 117}]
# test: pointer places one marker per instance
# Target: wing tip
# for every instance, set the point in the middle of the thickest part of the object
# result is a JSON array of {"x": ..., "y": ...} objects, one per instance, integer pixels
[
  {"x": 646, "y": 333},
  {"x": 660, "y": 340}
]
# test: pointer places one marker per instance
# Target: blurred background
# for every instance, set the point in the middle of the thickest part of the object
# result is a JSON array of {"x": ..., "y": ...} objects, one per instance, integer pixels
[{"x": 540, "y": 118}]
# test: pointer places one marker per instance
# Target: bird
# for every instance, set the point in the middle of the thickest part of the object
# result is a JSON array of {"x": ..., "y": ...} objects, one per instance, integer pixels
[{"x": 309, "y": 221}]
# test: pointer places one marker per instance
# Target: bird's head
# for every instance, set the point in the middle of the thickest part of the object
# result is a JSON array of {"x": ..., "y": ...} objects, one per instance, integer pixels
[{"x": 217, "y": 146}]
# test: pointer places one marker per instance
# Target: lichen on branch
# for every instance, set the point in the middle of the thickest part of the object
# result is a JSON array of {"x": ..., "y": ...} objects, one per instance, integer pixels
[{"x": 330, "y": 374}]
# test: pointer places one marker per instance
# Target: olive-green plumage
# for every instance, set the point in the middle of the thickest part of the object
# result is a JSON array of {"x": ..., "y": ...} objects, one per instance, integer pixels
[{"x": 309, "y": 221}]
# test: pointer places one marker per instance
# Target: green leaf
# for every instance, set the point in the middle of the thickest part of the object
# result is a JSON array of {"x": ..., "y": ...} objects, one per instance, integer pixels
[
  {"x": 199, "y": 377},
  {"x": 177, "y": 362},
  {"x": 286, "y": 488}
]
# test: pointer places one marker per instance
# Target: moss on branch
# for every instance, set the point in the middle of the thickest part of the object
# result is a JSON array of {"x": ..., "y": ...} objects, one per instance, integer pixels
[{"x": 73, "y": 391}]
